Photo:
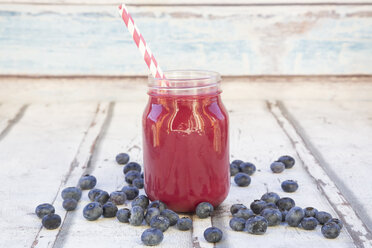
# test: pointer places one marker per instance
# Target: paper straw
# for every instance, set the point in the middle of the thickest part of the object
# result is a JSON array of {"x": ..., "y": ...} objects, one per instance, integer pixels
[{"x": 141, "y": 43}]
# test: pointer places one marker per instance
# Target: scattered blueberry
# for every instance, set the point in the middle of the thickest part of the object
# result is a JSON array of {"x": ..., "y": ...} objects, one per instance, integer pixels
[
  {"x": 51, "y": 221},
  {"x": 256, "y": 225},
  {"x": 294, "y": 216},
  {"x": 158, "y": 204},
  {"x": 257, "y": 206},
  {"x": 270, "y": 197},
  {"x": 142, "y": 175},
  {"x": 160, "y": 222},
  {"x": 284, "y": 214},
  {"x": 184, "y": 224},
  {"x": 152, "y": 236},
  {"x": 71, "y": 192},
  {"x": 151, "y": 213},
  {"x": 323, "y": 217},
  {"x": 138, "y": 183},
  {"x": 237, "y": 162},
  {"x": 285, "y": 203},
  {"x": 337, "y": 221},
  {"x": 269, "y": 205},
  {"x": 136, "y": 216},
  {"x": 213, "y": 234},
  {"x": 331, "y": 230},
  {"x": 235, "y": 207},
  {"x": 109, "y": 210},
  {"x": 69, "y": 204},
  {"x": 141, "y": 201},
  {"x": 234, "y": 169},
  {"x": 171, "y": 215},
  {"x": 87, "y": 182},
  {"x": 44, "y": 209},
  {"x": 289, "y": 186},
  {"x": 118, "y": 197},
  {"x": 123, "y": 215},
  {"x": 242, "y": 179},
  {"x": 93, "y": 193},
  {"x": 244, "y": 213},
  {"x": 277, "y": 167},
  {"x": 309, "y": 223},
  {"x": 273, "y": 216},
  {"x": 310, "y": 211},
  {"x": 288, "y": 161},
  {"x": 131, "y": 175},
  {"x": 132, "y": 166},
  {"x": 92, "y": 211},
  {"x": 237, "y": 224},
  {"x": 131, "y": 192},
  {"x": 204, "y": 210},
  {"x": 247, "y": 168},
  {"x": 122, "y": 158},
  {"x": 102, "y": 197}
]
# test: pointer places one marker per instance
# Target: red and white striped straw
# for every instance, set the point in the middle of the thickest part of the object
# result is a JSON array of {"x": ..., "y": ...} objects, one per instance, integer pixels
[{"x": 141, "y": 43}]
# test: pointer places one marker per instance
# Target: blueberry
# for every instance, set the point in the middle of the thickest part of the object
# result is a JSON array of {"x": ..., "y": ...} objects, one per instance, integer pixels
[
  {"x": 323, "y": 217},
  {"x": 93, "y": 193},
  {"x": 138, "y": 183},
  {"x": 131, "y": 192},
  {"x": 237, "y": 224},
  {"x": 257, "y": 206},
  {"x": 269, "y": 205},
  {"x": 184, "y": 224},
  {"x": 273, "y": 216},
  {"x": 44, "y": 209},
  {"x": 92, "y": 211},
  {"x": 204, "y": 210},
  {"x": 171, "y": 215},
  {"x": 151, "y": 213},
  {"x": 51, "y": 221},
  {"x": 270, "y": 197},
  {"x": 69, "y": 204},
  {"x": 247, "y": 168},
  {"x": 331, "y": 230},
  {"x": 160, "y": 222},
  {"x": 242, "y": 179},
  {"x": 152, "y": 236},
  {"x": 310, "y": 212},
  {"x": 295, "y": 216},
  {"x": 87, "y": 182},
  {"x": 284, "y": 214},
  {"x": 132, "y": 166},
  {"x": 131, "y": 175},
  {"x": 122, "y": 158},
  {"x": 136, "y": 216},
  {"x": 213, "y": 234},
  {"x": 235, "y": 207},
  {"x": 158, "y": 204},
  {"x": 123, "y": 215},
  {"x": 141, "y": 201},
  {"x": 118, "y": 197},
  {"x": 142, "y": 175},
  {"x": 337, "y": 221},
  {"x": 234, "y": 169},
  {"x": 309, "y": 223},
  {"x": 289, "y": 186},
  {"x": 102, "y": 197},
  {"x": 285, "y": 203},
  {"x": 288, "y": 161},
  {"x": 109, "y": 210},
  {"x": 256, "y": 225},
  {"x": 277, "y": 167},
  {"x": 237, "y": 162},
  {"x": 244, "y": 213},
  {"x": 71, "y": 192}
]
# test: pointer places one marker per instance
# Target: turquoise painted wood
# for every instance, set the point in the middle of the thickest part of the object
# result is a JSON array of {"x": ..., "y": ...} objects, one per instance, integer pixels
[{"x": 250, "y": 40}]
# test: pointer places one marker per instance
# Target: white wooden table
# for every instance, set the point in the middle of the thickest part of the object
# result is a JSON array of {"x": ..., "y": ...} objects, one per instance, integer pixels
[{"x": 53, "y": 130}]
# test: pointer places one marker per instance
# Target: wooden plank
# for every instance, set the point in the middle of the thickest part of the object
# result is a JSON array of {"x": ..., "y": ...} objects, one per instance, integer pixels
[
  {"x": 262, "y": 40},
  {"x": 339, "y": 133},
  {"x": 256, "y": 137},
  {"x": 10, "y": 114}
]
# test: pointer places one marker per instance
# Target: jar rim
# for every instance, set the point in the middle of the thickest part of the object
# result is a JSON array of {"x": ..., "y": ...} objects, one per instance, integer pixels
[{"x": 203, "y": 77}]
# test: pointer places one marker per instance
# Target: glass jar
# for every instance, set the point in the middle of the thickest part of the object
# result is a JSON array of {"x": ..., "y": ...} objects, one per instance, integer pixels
[{"x": 186, "y": 140}]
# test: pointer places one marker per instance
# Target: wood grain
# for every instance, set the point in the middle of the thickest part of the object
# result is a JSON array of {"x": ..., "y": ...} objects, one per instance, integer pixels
[
  {"x": 233, "y": 40},
  {"x": 10, "y": 114}
]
